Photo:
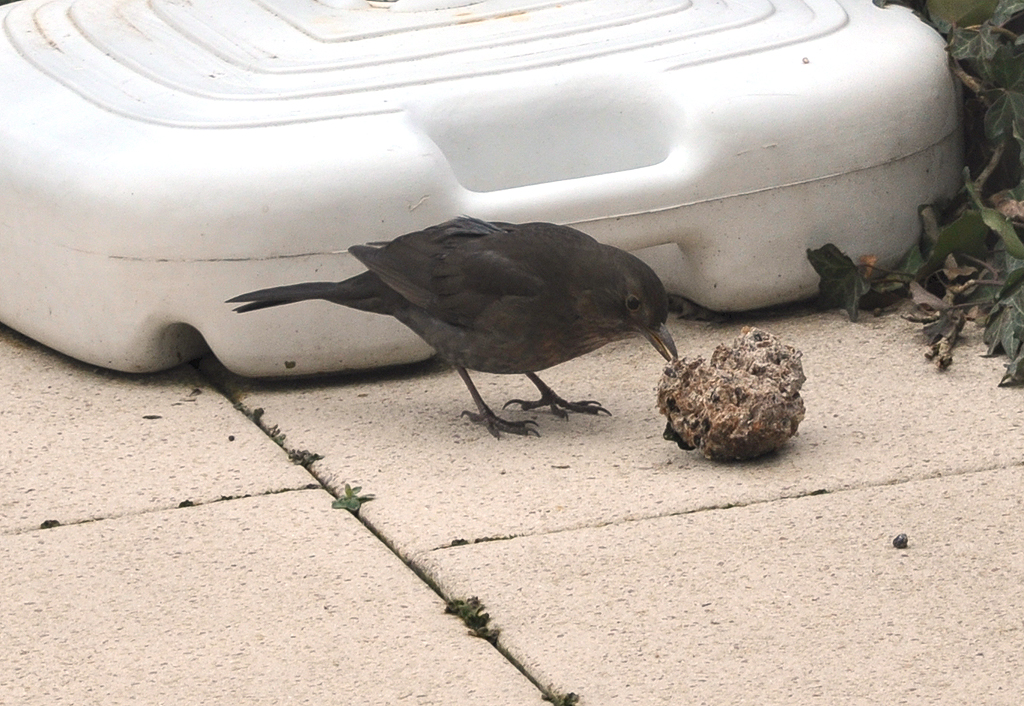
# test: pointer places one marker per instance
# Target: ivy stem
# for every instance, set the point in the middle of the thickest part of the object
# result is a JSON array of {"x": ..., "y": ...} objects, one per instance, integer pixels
[
  {"x": 993, "y": 162},
  {"x": 969, "y": 81}
]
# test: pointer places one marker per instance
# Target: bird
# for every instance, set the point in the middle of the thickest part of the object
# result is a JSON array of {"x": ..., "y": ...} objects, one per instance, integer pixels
[{"x": 500, "y": 298}]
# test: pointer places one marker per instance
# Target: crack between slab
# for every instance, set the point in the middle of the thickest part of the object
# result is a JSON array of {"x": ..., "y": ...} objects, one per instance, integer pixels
[
  {"x": 547, "y": 693},
  {"x": 726, "y": 506},
  {"x": 306, "y": 459},
  {"x": 54, "y": 523},
  {"x": 300, "y": 457}
]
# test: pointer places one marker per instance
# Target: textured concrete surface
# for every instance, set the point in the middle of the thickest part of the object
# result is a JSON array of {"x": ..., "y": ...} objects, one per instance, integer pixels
[
  {"x": 616, "y": 566},
  {"x": 271, "y": 599},
  {"x": 877, "y": 412},
  {"x": 802, "y": 600},
  {"x": 83, "y": 443}
]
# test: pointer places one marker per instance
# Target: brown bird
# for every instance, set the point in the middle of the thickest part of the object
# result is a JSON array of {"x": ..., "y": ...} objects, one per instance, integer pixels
[{"x": 501, "y": 298}]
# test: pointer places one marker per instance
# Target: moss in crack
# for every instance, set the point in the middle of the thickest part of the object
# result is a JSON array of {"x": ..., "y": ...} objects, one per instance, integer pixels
[
  {"x": 300, "y": 457},
  {"x": 471, "y": 612},
  {"x": 459, "y": 542},
  {"x": 560, "y": 699}
]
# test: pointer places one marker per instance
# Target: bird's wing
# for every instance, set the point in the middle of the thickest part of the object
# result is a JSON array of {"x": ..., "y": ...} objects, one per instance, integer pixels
[{"x": 457, "y": 269}]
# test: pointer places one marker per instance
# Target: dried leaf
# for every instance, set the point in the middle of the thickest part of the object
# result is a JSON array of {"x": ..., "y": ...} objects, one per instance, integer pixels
[
  {"x": 1011, "y": 208},
  {"x": 948, "y": 326},
  {"x": 942, "y": 334},
  {"x": 953, "y": 270},
  {"x": 867, "y": 265},
  {"x": 925, "y": 299}
]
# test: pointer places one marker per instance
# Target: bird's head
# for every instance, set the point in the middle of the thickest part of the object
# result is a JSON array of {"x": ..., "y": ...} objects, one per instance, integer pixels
[{"x": 640, "y": 303}]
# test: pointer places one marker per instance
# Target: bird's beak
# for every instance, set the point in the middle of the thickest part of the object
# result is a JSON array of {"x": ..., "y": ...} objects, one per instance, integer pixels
[{"x": 662, "y": 341}]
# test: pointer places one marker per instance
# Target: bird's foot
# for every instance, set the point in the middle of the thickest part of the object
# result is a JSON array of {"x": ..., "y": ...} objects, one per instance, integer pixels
[
  {"x": 496, "y": 424},
  {"x": 560, "y": 407}
]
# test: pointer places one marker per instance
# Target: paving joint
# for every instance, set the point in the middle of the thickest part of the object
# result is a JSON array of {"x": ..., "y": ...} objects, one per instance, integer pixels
[
  {"x": 52, "y": 523},
  {"x": 489, "y": 635},
  {"x": 455, "y": 543},
  {"x": 306, "y": 459}
]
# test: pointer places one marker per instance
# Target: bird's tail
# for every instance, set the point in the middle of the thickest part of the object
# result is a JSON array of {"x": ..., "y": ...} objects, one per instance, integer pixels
[{"x": 365, "y": 292}]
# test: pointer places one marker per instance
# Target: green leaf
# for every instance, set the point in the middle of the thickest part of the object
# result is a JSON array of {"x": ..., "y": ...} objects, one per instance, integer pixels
[
  {"x": 1006, "y": 67},
  {"x": 997, "y": 222},
  {"x": 962, "y": 12},
  {"x": 842, "y": 284},
  {"x": 1014, "y": 371},
  {"x": 1014, "y": 280},
  {"x": 351, "y": 500},
  {"x": 1006, "y": 113},
  {"x": 1005, "y": 10},
  {"x": 912, "y": 261},
  {"x": 1005, "y": 230},
  {"x": 1004, "y": 331},
  {"x": 978, "y": 45},
  {"x": 964, "y": 235},
  {"x": 1005, "y": 328}
]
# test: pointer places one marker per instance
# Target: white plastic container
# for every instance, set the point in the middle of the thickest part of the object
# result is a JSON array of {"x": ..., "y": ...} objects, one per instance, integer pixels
[{"x": 160, "y": 156}]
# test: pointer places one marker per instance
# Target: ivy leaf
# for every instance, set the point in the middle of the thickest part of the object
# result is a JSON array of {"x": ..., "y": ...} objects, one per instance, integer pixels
[
  {"x": 974, "y": 44},
  {"x": 1005, "y": 113},
  {"x": 999, "y": 223},
  {"x": 964, "y": 235},
  {"x": 1004, "y": 331},
  {"x": 1014, "y": 371},
  {"x": 912, "y": 261},
  {"x": 1005, "y": 10},
  {"x": 1013, "y": 282},
  {"x": 962, "y": 12},
  {"x": 1006, "y": 68},
  {"x": 842, "y": 284}
]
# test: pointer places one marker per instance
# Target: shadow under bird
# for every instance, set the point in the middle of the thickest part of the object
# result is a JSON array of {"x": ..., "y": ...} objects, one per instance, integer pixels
[{"x": 501, "y": 298}]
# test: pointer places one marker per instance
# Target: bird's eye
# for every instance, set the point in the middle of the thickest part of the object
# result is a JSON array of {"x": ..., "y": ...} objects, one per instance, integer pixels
[{"x": 632, "y": 303}]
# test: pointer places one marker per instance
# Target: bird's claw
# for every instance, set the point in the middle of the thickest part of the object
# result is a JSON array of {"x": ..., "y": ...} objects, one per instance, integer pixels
[
  {"x": 496, "y": 424},
  {"x": 560, "y": 407}
]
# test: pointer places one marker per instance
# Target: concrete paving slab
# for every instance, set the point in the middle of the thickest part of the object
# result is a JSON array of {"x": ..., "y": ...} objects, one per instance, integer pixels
[
  {"x": 798, "y": 601},
  {"x": 81, "y": 443},
  {"x": 877, "y": 412},
  {"x": 270, "y": 599}
]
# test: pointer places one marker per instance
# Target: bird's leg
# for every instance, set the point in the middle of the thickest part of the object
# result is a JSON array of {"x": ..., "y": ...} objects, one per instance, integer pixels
[
  {"x": 559, "y": 407},
  {"x": 494, "y": 423}
]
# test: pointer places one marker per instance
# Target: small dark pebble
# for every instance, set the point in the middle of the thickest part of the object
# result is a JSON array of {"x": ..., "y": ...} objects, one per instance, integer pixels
[
  {"x": 900, "y": 541},
  {"x": 231, "y": 437},
  {"x": 186, "y": 503}
]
